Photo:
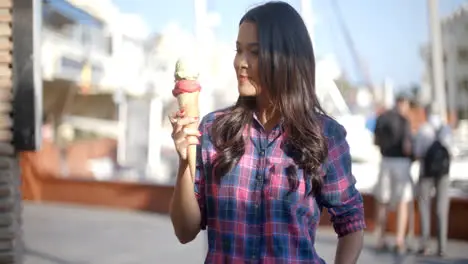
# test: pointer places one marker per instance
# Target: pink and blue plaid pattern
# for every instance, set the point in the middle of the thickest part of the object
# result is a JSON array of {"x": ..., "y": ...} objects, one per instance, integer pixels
[{"x": 249, "y": 216}]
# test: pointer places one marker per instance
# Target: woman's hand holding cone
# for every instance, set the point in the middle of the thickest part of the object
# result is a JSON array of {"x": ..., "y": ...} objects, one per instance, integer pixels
[{"x": 182, "y": 135}]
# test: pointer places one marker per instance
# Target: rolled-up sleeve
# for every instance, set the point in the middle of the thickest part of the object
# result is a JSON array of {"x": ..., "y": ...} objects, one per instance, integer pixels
[
  {"x": 339, "y": 194},
  {"x": 200, "y": 175}
]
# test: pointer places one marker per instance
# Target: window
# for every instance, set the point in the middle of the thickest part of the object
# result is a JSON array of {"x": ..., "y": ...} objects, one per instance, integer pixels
[
  {"x": 97, "y": 73},
  {"x": 86, "y": 37},
  {"x": 462, "y": 55},
  {"x": 67, "y": 62},
  {"x": 95, "y": 38},
  {"x": 462, "y": 114},
  {"x": 463, "y": 85},
  {"x": 109, "y": 45},
  {"x": 70, "y": 68},
  {"x": 71, "y": 64},
  {"x": 57, "y": 22}
]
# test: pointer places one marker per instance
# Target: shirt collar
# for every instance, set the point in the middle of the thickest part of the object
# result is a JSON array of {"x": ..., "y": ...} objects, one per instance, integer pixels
[{"x": 278, "y": 129}]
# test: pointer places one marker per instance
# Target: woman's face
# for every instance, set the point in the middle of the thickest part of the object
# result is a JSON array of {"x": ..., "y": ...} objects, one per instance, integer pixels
[{"x": 246, "y": 60}]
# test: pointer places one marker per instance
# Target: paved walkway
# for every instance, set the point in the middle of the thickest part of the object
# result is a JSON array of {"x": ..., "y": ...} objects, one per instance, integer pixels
[{"x": 65, "y": 234}]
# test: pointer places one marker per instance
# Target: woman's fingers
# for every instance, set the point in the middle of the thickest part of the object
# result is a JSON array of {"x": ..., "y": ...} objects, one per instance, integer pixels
[
  {"x": 191, "y": 132},
  {"x": 184, "y": 133},
  {"x": 174, "y": 117},
  {"x": 192, "y": 141},
  {"x": 185, "y": 142},
  {"x": 178, "y": 119},
  {"x": 181, "y": 123},
  {"x": 187, "y": 121}
]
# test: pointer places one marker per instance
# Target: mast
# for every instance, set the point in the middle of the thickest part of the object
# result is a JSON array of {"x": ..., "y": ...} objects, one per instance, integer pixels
[
  {"x": 356, "y": 56},
  {"x": 438, "y": 78},
  {"x": 326, "y": 87}
]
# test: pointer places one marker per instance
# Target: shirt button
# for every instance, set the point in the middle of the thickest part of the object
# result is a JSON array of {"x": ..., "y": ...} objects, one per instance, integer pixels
[
  {"x": 259, "y": 176},
  {"x": 262, "y": 152},
  {"x": 272, "y": 169}
]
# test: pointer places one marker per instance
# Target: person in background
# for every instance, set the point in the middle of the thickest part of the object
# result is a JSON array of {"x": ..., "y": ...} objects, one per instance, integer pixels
[
  {"x": 432, "y": 148},
  {"x": 370, "y": 122},
  {"x": 394, "y": 185}
]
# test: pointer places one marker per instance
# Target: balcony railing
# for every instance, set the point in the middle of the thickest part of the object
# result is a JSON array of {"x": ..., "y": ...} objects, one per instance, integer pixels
[
  {"x": 66, "y": 57},
  {"x": 75, "y": 41}
]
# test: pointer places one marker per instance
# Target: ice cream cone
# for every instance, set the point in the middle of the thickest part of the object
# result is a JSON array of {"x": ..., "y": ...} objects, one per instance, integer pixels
[
  {"x": 189, "y": 102},
  {"x": 187, "y": 90}
]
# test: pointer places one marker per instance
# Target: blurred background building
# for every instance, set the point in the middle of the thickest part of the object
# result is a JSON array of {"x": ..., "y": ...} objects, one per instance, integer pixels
[
  {"x": 99, "y": 82},
  {"x": 455, "y": 46},
  {"x": 108, "y": 76},
  {"x": 107, "y": 80}
]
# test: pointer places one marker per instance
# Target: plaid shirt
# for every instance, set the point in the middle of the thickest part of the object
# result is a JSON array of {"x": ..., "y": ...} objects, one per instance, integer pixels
[{"x": 249, "y": 217}]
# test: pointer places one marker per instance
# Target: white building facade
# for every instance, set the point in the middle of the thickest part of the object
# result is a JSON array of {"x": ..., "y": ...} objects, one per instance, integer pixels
[
  {"x": 72, "y": 40},
  {"x": 92, "y": 48},
  {"x": 455, "y": 46}
]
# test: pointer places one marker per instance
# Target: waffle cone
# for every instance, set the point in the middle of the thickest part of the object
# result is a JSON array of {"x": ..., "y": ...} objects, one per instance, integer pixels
[{"x": 189, "y": 101}]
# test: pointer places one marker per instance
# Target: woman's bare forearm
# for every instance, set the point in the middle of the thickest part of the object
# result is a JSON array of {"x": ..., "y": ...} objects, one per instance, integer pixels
[
  {"x": 184, "y": 209},
  {"x": 349, "y": 248}
]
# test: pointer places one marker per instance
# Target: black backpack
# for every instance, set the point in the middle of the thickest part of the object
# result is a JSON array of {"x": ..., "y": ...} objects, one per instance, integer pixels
[{"x": 437, "y": 159}]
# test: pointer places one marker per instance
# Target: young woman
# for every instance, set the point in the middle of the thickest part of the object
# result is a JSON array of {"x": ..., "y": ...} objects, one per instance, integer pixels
[{"x": 269, "y": 164}]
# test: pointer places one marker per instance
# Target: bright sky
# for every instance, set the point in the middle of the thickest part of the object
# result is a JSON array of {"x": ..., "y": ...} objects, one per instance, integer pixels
[{"x": 387, "y": 33}]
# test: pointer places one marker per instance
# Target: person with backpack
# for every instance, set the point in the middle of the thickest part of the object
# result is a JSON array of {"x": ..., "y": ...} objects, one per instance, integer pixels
[
  {"x": 394, "y": 187},
  {"x": 432, "y": 149}
]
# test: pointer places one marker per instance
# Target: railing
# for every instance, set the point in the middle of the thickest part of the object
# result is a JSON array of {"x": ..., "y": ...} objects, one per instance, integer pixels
[
  {"x": 56, "y": 47},
  {"x": 96, "y": 45},
  {"x": 102, "y": 127}
]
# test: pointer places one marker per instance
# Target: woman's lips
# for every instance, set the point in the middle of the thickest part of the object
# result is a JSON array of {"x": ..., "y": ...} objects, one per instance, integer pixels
[{"x": 242, "y": 79}]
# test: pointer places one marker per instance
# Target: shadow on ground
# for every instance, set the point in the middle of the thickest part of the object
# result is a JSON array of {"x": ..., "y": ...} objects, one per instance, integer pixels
[
  {"x": 48, "y": 257},
  {"x": 66, "y": 234},
  {"x": 327, "y": 240},
  {"x": 442, "y": 261}
]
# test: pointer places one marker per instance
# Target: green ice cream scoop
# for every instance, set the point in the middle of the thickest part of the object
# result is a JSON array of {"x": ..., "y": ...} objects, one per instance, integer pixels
[{"x": 186, "y": 69}]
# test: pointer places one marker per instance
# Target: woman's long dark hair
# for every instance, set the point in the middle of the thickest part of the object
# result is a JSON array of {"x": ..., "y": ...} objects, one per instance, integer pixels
[{"x": 287, "y": 71}]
